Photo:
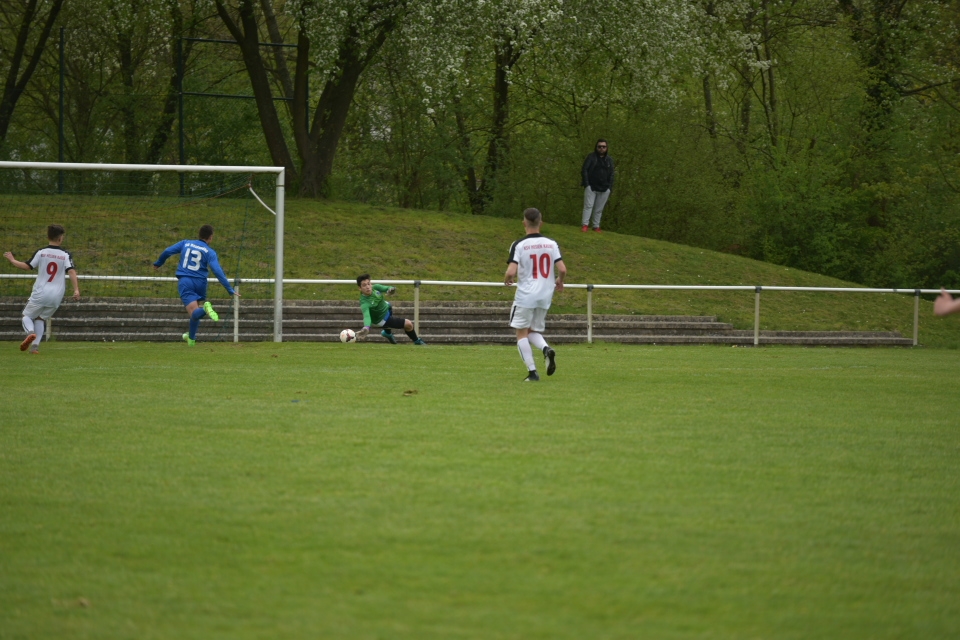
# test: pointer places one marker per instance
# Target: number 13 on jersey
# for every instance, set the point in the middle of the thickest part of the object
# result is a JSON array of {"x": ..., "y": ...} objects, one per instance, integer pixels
[{"x": 195, "y": 256}]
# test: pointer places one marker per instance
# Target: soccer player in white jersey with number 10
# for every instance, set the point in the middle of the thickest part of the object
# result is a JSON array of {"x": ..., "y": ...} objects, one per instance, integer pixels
[
  {"x": 536, "y": 264},
  {"x": 52, "y": 264}
]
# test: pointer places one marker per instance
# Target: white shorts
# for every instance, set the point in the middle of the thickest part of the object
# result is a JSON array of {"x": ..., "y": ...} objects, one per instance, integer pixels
[
  {"x": 42, "y": 309},
  {"x": 527, "y": 318}
]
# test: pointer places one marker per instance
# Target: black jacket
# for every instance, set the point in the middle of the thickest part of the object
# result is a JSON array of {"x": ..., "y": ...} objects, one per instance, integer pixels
[{"x": 597, "y": 172}]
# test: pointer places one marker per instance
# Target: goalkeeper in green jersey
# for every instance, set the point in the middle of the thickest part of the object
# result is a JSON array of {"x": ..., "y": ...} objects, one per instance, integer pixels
[{"x": 377, "y": 312}]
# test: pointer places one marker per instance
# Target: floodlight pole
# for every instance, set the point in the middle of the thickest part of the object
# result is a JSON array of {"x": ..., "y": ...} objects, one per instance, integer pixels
[{"x": 278, "y": 286}]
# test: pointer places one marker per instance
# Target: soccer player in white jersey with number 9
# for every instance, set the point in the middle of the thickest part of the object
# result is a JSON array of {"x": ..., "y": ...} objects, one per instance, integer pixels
[
  {"x": 537, "y": 266},
  {"x": 52, "y": 264}
]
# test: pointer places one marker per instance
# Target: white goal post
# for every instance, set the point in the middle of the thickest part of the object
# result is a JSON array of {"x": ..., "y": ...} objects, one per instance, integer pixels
[{"x": 185, "y": 169}]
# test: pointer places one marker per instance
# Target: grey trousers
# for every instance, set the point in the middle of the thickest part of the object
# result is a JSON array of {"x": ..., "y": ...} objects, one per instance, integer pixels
[{"x": 594, "y": 202}]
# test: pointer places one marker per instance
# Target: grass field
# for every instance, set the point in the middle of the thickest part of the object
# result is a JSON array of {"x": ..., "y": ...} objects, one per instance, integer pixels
[{"x": 369, "y": 491}]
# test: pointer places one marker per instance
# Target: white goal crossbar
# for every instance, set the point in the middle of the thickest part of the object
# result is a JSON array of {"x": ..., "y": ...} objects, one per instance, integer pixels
[{"x": 181, "y": 168}]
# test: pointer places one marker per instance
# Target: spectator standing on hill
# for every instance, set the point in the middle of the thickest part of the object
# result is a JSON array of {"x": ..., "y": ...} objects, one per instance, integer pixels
[
  {"x": 597, "y": 179},
  {"x": 536, "y": 264},
  {"x": 52, "y": 264}
]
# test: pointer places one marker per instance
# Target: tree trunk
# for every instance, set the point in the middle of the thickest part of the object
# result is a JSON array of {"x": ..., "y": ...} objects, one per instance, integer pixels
[
  {"x": 317, "y": 146},
  {"x": 276, "y": 38},
  {"x": 168, "y": 113},
  {"x": 249, "y": 42},
  {"x": 467, "y": 171},
  {"x": 876, "y": 35},
  {"x": 770, "y": 107},
  {"x": 708, "y": 105},
  {"x": 480, "y": 195},
  {"x": 15, "y": 82},
  {"x": 745, "y": 108},
  {"x": 128, "y": 111},
  {"x": 333, "y": 108},
  {"x": 301, "y": 125},
  {"x": 499, "y": 142}
]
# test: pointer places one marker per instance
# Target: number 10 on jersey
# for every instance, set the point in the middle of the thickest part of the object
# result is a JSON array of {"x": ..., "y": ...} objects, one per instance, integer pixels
[{"x": 543, "y": 262}]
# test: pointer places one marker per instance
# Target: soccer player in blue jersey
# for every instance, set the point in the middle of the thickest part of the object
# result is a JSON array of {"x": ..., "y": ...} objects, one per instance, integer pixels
[{"x": 196, "y": 257}]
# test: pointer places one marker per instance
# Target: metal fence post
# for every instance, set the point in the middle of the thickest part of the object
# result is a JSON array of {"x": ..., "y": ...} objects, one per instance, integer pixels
[
  {"x": 756, "y": 317},
  {"x": 916, "y": 316},
  {"x": 278, "y": 259},
  {"x": 236, "y": 312},
  {"x": 589, "y": 314},
  {"x": 416, "y": 306}
]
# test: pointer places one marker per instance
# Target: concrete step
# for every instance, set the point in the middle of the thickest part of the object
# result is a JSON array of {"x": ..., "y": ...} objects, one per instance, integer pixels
[
  {"x": 439, "y": 325},
  {"x": 461, "y": 322}
]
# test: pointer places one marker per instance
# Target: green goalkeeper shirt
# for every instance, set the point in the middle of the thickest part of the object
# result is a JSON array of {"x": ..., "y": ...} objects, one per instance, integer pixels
[{"x": 375, "y": 308}]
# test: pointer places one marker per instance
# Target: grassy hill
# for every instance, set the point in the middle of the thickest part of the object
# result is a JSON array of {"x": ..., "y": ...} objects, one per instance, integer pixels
[{"x": 341, "y": 240}]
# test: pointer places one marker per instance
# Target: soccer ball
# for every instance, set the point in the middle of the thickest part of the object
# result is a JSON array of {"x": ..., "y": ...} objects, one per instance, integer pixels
[{"x": 348, "y": 335}]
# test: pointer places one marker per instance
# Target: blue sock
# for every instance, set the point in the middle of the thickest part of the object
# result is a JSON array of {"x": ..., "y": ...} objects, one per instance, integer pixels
[{"x": 195, "y": 322}]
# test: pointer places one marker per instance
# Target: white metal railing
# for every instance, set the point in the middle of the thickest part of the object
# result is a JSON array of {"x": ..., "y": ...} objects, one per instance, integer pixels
[{"x": 417, "y": 284}]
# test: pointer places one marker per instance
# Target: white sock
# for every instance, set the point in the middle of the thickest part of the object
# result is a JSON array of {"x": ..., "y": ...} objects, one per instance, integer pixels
[
  {"x": 27, "y": 324},
  {"x": 526, "y": 353},
  {"x": 38, "y": 325},
  {"x": 536, "y": 339}
]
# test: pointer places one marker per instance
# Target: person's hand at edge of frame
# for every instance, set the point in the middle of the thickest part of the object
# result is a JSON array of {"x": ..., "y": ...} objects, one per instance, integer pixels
[{"x": 944, "y": 305}]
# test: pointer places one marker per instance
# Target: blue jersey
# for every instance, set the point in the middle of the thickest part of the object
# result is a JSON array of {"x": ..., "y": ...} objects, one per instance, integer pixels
[{"x": 196, "y": 257}]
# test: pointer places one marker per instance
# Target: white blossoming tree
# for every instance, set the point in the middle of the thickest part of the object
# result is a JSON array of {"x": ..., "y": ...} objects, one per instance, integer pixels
[{"x": 481, "y": 56}]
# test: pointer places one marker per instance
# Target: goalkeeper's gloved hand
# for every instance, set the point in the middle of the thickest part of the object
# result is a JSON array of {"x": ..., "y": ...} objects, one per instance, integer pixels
[
  {"x": 391, "y": 291},
  {"x": 363, "y": 333}
]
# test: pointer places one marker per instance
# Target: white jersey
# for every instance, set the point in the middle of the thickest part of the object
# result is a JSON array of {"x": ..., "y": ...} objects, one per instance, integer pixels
[
  {"x": 535, "y": 256},
  {"x": 52, "y": 264}
]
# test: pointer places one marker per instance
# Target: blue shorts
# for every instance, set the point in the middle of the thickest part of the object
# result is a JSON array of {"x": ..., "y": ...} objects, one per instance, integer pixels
[{"x": 192, "y": 289}]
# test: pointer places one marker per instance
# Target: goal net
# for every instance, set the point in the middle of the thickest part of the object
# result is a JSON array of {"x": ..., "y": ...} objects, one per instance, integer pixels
[{"x": 119, "y": 218}]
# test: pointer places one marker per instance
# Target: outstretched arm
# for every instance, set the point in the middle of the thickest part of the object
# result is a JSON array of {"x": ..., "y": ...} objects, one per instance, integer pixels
[
  {"x": 367, "y": 321},
  {"x": 169, "y": 251},
  {"x": 19, "y": 265},
  {"x": 214, "y": 265},
  {"x": 944, "y": 305}
]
